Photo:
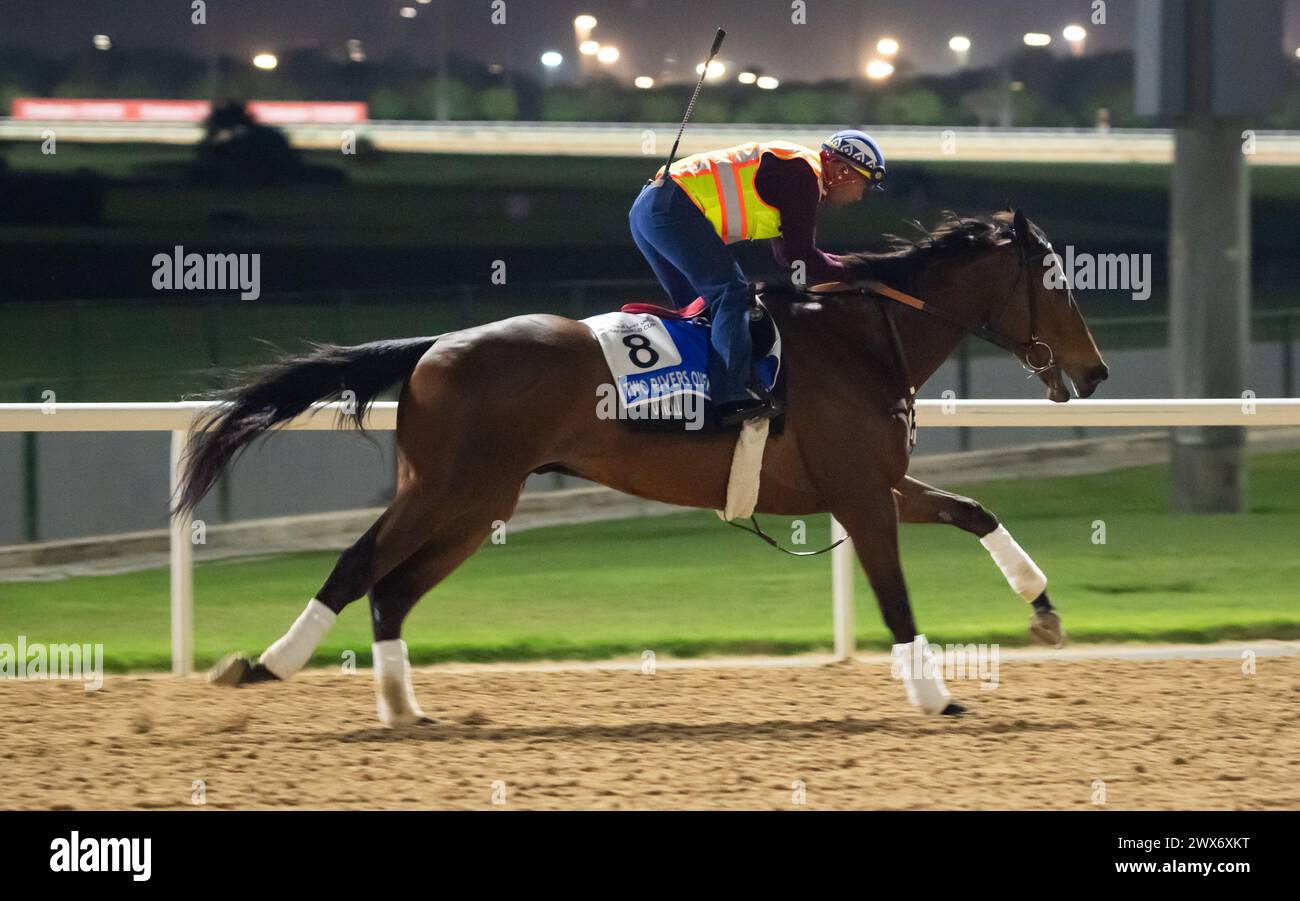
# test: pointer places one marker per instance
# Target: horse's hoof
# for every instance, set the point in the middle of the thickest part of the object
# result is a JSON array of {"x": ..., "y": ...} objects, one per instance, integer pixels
[
  {"x": 230, "y": 670},
  {"x": 239, "y": 669},
  {"x": 1045, "y": 628},
  {"x": 407, "y": 721},
  {"x": 953, "y": 710}
]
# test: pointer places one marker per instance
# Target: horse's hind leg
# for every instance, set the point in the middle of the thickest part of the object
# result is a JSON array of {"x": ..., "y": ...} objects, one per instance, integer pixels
[
  {"x": 395, "y": 535},
  {"x": 922, "y": 503},
  {"x": 395, "y": 594}
]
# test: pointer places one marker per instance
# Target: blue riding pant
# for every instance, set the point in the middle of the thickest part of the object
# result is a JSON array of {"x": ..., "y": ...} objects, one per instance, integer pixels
[{"x": 689, "y": 259}]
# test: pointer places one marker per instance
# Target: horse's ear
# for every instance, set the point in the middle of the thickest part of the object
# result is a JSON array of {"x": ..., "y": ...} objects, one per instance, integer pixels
[{"x": 1020, "y": 222}]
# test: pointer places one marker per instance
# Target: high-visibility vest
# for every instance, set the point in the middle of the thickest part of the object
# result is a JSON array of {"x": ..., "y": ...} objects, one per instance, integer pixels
[{"x": 721, "y": 183}]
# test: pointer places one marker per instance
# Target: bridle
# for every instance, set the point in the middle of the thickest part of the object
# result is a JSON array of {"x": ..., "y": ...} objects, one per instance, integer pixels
[{"x": 1025, "y": 351}]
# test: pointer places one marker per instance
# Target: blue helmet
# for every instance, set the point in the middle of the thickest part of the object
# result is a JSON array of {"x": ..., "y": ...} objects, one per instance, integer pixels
[{"x": 859, "y": 150}]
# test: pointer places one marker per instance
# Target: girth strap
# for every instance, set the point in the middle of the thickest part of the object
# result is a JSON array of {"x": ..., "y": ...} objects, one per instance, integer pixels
[{"x": 758, "y": 530}]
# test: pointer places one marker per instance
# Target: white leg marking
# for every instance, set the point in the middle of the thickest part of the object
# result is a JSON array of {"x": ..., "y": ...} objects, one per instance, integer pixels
[
  {"x": 291, "y": 651},
  {"x": 393, "y": 689},
  {"x": 1023, "y": 574},
  {"x": 922, "y": 673}
]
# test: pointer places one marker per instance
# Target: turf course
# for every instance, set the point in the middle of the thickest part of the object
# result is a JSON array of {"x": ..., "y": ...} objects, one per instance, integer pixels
[{"x": 685, "y": 585}]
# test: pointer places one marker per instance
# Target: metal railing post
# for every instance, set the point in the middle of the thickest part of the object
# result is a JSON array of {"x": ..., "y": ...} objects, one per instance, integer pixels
[
  {"x": 842, "y": 593},
  {"x": 182, "y": 567}
]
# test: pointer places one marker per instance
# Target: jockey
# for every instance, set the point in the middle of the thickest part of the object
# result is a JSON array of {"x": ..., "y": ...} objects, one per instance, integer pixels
[{"x": 749, "y": 192}]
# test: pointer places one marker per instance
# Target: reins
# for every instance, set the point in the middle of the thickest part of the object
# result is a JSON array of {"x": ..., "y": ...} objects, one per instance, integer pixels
[{"x": 1021, "y": 350}]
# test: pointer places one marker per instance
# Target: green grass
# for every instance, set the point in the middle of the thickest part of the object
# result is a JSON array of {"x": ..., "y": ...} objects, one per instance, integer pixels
[{"x": 686, "y": 585}]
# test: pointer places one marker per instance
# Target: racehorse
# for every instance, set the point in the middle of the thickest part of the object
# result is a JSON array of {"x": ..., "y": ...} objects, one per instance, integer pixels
[{"x": 482, "y": 408}]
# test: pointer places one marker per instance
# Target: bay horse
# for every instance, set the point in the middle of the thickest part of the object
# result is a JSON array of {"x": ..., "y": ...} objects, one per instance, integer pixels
[{"x": 482, "y": 408}]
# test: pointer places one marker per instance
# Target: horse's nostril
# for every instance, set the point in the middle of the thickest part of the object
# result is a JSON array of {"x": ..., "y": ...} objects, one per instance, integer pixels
[{"x": 1098, "y": 373}]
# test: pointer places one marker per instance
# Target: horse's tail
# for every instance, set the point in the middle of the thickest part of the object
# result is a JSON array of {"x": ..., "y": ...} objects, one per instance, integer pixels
[{"x": 274, "y": 394}]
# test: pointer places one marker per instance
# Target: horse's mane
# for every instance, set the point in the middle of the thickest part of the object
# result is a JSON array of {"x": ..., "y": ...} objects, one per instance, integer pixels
[{"x": 954, "y": 235}]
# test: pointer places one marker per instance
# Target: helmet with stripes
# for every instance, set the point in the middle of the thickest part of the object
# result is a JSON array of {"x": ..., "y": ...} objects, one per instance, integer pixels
[{"x": 860, "y": 151}]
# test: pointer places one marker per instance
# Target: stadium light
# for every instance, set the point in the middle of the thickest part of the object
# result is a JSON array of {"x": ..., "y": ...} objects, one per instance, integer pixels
[
  {"x": 552, "y": 59},
  {"x": 607, "y": 54},
  {"x": 102, "y": 42},
  {"x": 407, "y": 12},
  {"x": 266, "y": 61},
  {"x": 887, "y": 46},
  {"x": 589, "y": 48},
  {"x": 767, "y": 83},
  {"x": 959, "y": 44},
  {"x": 1037, "y": 39},
  {"x": 644, "y": 82},
  {"x": 878, "y": 69},
  {"x": 355, "y": 51},
  {"x": 584, "y": 22},
  {"x": 750, "y": 77},
  {"x": 1076, "y": 35},
  {"x": 716, "y": 70}
]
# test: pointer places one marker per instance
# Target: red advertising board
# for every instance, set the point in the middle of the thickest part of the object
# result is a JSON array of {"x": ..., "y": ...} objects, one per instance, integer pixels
[{"x": 272, "y": 112}]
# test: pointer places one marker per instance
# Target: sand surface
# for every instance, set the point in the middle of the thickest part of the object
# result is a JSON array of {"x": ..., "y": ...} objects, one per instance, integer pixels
[{"x": 1161, "y": 734}]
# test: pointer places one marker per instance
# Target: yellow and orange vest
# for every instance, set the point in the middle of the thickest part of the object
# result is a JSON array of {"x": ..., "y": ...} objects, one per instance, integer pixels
[{"x": 721, "y": 184}]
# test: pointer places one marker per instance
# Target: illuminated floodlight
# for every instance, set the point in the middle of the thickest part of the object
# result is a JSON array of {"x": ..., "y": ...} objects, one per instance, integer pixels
[
  {"x": 879, "y": 69},
  {"x": 716, "y": 70}
]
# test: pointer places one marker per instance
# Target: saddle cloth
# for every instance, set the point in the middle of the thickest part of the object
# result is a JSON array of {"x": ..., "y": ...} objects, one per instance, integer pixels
[{"x": 659, "y": 361}]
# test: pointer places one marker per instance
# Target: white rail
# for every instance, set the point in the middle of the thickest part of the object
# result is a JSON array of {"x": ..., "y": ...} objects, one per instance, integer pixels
[
  {"x": 178, "y": 418},
  {"x": 628, "y": 139}
]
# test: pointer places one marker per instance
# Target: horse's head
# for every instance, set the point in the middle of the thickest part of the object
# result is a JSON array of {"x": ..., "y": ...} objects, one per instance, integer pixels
[{"x": 1042, "y": 317}]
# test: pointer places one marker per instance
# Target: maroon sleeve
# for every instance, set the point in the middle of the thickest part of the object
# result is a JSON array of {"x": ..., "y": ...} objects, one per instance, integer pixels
[{"x": 791, "y": 186}]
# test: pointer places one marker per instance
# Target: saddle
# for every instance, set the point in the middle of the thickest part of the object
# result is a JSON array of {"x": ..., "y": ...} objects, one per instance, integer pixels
[
  {"x": 762, "y": 331},
  {"x": 659, "y": 362}
]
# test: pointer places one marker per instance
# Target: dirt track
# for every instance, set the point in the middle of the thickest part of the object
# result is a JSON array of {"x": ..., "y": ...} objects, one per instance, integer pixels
[{"x": 1165, "y": 734}]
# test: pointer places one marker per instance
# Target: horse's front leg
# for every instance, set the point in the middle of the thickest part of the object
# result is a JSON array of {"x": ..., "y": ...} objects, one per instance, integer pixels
[
  {"x": 871, "y": 521},
  {"x": 922, "y": 503}
]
